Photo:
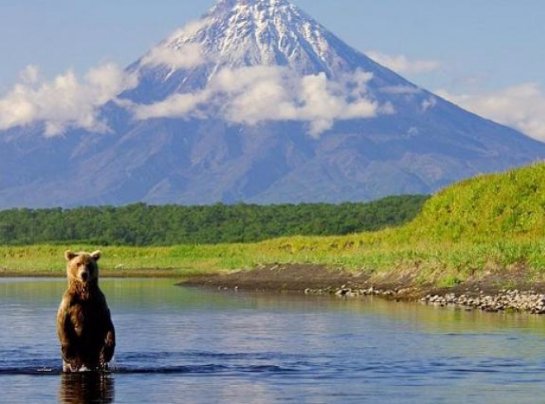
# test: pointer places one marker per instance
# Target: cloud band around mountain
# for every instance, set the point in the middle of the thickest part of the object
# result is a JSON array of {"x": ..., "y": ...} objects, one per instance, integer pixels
[
  {"x": 247, "y": 95},
  {"x": 250, "y": 95}
]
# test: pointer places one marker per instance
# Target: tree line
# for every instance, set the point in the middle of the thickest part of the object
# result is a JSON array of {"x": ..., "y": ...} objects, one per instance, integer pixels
[{"x": 146, "y": 225}]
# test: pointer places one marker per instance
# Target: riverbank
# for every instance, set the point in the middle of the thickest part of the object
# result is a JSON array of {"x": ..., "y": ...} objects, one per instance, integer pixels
[
  {"x": 493, "y": 288},
  {"x": 387, "y": 256},
  {"x": 156, "y": 273},
  {"x": 487, "y": 293}
]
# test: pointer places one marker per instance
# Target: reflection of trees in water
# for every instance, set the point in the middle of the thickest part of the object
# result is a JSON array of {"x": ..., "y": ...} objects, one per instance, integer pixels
[{"x": 89, "y": 387}]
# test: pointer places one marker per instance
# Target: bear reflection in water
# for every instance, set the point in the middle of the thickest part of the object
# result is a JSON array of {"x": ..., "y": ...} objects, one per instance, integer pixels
[{"x": 86, "y": 387}]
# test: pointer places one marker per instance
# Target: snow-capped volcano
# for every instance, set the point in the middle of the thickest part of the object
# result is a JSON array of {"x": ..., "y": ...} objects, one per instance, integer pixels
[
  {"x": 256, "y": 102},
  {"x": 243, "y": 33},
  {"x": 263, "y": 60},
  {"x": 259, "y": 32}
]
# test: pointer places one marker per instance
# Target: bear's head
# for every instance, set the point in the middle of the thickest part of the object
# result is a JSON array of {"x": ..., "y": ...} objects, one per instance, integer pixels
[{"x": 82, "y": 267}]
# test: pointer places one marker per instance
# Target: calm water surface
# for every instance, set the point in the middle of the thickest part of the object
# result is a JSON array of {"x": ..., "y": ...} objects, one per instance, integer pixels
[{"x": 189, "y": 345}]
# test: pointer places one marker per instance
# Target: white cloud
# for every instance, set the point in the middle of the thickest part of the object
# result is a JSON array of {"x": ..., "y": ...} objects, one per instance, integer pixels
[
  {"x": 65, "y": 101},
  {"x": 251, "y": 95},
  {"x": 428, "y": 103},
  {"x": 521, "y": 107},
  {"x": 275, "y": 94},
  {"x": 403, "y": 65},
  {"x": 178, "y": 51},
  {"x": 30, "y": 74},
  {"x": 176, "y": 106},
  {"x": 183, "y": 56},
  {"x": 401, "y": 90},
  {"x": 248, "y": 93},
  {"x": 189, "y": 30}
]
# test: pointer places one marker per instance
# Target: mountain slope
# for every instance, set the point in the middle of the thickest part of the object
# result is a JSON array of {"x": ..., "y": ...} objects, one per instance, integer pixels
[{"x": 257, "y": 102}]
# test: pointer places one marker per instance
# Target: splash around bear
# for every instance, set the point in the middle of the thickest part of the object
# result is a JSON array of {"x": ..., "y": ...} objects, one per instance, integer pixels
[{"x": 84, "y": 325}]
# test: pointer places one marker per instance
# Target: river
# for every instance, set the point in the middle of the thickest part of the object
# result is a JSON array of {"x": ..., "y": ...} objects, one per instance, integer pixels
[{"x": 190, "y": 345}]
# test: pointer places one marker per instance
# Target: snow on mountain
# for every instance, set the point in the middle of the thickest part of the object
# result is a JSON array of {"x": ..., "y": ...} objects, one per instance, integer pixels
[
  {"x": 262, "y": 60},
  {"x": 258, "y": 32},
  {"x": 254, "y": 102}
]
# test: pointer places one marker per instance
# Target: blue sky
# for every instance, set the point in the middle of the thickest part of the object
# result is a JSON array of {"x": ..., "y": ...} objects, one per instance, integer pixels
[{"x": 486, "y": 55}]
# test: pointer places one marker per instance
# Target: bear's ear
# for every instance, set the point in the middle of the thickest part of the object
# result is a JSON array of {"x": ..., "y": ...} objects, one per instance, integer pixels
[
  {"x": 69, "y": 255},
  {"x": 96, "y": 255}
]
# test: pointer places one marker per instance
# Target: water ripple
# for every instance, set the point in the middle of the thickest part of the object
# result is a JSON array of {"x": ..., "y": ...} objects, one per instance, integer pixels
[{"x": 52, "y": 367}]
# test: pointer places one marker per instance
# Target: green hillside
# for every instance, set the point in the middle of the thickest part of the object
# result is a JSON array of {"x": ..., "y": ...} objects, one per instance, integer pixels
[{"x": 488, "y": 207}]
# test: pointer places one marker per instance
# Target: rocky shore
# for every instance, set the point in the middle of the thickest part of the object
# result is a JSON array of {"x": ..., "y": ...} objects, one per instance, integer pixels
[
  {"x": 505, "y": 300},
  {"x": 314, "y": 280},
  {"x": 347, "y": 292}
]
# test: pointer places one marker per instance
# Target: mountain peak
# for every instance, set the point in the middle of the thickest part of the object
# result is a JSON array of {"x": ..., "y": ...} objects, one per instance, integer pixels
[
  {"x": 232, "y": 3},
  {"x": 239, "y": 33},
  {"x": 222, "y": 5},
  {"x": 256, "y": 12}
]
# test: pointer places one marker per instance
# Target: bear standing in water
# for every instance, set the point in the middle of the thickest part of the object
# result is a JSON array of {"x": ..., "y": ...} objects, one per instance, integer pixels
[{"x": 84, "y": 325}]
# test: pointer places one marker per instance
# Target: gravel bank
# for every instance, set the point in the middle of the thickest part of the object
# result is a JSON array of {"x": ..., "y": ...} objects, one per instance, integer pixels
[{"x": 319, "y": 280}]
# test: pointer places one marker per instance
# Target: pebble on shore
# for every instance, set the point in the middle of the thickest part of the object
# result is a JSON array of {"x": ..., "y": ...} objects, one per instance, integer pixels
[
  {"x": 505, "y": 300},
  {"x": 345, "y": 291}
]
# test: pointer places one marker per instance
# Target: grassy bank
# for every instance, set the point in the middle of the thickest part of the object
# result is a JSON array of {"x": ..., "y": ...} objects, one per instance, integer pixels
[
  {"x": 381, "y": 255},
  {"x": 492, "y": 226}
]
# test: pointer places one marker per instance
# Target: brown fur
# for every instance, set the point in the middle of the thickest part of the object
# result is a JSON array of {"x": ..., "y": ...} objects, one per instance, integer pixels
[{"x": 84, "y": 325}]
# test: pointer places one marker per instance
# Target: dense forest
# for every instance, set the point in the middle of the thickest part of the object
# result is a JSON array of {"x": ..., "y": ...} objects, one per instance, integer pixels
[{"x": 145, "y": 225}]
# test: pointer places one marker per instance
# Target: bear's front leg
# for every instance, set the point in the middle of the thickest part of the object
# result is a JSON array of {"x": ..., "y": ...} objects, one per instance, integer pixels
[
  {"x": 109, "y": 346},
  {"x": 68, "y": 339},
  {"x": 70, "y": 357}
]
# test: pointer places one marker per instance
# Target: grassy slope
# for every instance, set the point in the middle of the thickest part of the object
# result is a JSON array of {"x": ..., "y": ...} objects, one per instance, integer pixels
[
  {"x": 490, "y": 224},
  {"x": 489, "y": 207}
]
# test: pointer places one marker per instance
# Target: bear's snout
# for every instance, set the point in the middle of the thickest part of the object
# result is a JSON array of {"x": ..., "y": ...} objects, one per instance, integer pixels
[{"x": 84, "y": 274}]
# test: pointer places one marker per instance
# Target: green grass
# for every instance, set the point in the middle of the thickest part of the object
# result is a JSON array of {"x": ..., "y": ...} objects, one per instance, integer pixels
[
  {"x": 445, "y": 263},
  {"x": 485, "y": 208},
  {"x": 485, "y": 225}
]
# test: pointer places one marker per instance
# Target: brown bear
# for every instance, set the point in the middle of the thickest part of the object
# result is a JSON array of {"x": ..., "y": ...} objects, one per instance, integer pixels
[{"x": 84, "y": 325}]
